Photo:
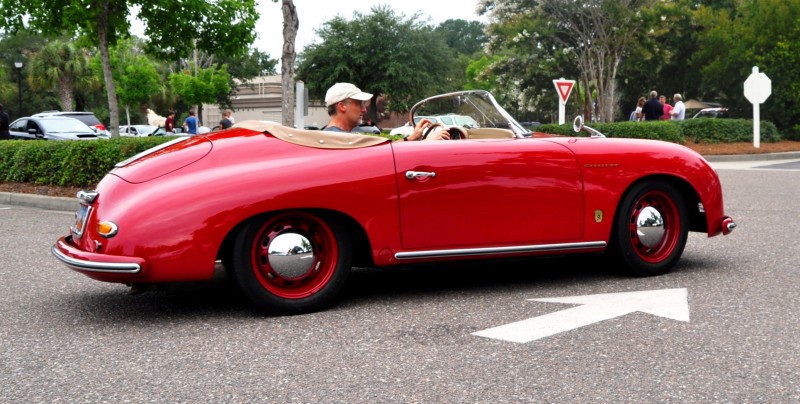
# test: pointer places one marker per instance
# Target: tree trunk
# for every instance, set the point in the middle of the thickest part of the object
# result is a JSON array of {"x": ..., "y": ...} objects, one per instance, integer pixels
[
  {"x": 65, "y": 94},
  {"x": 290, "y": 26},
  {"x": 111, "y": 90}
]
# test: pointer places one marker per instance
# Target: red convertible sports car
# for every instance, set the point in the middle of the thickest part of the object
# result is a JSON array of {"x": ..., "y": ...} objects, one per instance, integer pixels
[{"x": 289, "y": 212}]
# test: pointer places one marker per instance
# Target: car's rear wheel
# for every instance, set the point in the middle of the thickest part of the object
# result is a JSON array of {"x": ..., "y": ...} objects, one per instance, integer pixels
[
  {"x": 291, "y": 262},
  {"x": 651, "y": 228}
]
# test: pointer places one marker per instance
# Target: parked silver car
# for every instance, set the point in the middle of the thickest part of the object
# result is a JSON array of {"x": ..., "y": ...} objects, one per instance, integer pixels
[
  {"x": 86, "y": 117},
  {"x": 51, "y": 128}
]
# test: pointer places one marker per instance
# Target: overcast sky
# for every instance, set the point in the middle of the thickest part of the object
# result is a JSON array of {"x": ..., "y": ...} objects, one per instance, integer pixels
[{"x": 312, "y": 13}]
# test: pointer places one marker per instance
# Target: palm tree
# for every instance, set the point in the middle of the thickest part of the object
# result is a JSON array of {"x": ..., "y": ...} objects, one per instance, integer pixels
[
  {"x": 60, "y": 66},
  {"x": 7, "y": 89}
]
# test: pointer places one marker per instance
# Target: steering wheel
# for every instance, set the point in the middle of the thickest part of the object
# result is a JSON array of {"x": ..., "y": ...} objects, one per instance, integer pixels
[
  {"x": 429, "y": 129},
  {"x": 454, "y": 132}
]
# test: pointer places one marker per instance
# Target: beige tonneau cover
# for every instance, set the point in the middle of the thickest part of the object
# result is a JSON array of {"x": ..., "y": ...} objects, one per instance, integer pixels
[{"x": 313, "y": 138}]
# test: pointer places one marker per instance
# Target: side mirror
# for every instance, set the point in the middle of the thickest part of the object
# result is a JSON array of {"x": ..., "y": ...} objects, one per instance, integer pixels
[{"x": 578, "y": 126}]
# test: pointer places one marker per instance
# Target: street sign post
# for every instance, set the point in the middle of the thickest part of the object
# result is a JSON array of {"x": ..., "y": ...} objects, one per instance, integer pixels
[
  {"x": 757, "y": 88},
  {"x": 564, "y": 88}
]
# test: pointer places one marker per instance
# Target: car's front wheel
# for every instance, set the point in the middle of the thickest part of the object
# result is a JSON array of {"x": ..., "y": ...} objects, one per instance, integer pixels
[
  {"x": 651, "y": 228},
  {"x": 291, "y": 262}
]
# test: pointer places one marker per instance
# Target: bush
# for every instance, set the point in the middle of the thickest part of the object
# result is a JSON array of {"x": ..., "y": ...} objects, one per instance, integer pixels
[
  {"x": 695, "y": 130},
  {"x": 67, "y": 163},
  {"x": 794, "y": 133},
  {"x": 657, "y": 130},
  {"x": 727, "y": 131}
]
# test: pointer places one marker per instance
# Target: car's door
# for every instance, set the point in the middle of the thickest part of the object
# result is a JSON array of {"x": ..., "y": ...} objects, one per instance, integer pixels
[
  {"x": 35, "y": 131},
  {"x": 19, "y": 130},
  {"x": 472, "y": 193}
]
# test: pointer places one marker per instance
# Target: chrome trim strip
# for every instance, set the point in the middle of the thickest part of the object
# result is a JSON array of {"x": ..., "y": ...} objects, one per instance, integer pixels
[
  {"x": 499, "y": 250},
  {"x": 87, "y": 197},
  {"x": 83, "y": 265}
]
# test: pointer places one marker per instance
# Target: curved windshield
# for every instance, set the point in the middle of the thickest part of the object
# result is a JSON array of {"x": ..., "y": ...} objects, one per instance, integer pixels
[{"x": 470, "y": 109}]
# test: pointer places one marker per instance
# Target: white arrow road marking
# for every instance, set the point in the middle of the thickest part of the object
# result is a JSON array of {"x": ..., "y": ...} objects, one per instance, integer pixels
[{"x": 669, "y": 303}]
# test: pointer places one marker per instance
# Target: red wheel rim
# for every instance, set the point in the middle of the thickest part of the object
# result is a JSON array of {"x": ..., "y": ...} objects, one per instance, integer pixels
[
  {"x": 321, "y": 269},
  {"x": 647, "y": 250}
]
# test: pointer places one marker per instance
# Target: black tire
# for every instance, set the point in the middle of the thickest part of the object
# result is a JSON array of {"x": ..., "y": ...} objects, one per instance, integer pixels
[
  {"x": 322, "y": 273},
  {"x": 650, "y": 229}
]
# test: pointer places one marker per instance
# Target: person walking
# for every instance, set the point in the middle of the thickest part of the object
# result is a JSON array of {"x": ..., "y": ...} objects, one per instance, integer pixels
[
  {"x": 4, "y": 123},
  {"x": 190, "y": 123}
]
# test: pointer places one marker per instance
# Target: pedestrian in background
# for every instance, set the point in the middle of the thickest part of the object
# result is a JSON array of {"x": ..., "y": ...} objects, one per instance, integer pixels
[
  {"x": 4, "y": 122},
  {"x": 667, "y": 108},
  {"x": 191, "y": 123},
  {"x": 679, "y": 110},
  {"x": 652, "y": 109},
  {"x": 225, "y": 123},
  {"x": 638, "y": 113},
  {"x": 169, "y": 123}
]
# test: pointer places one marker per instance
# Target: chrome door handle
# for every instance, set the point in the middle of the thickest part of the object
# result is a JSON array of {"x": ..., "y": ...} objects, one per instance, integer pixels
[{"x": 410, "y": 175}]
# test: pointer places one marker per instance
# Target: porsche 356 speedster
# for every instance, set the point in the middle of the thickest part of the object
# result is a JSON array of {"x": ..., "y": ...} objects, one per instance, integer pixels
[{"x": 288, "y": 212}]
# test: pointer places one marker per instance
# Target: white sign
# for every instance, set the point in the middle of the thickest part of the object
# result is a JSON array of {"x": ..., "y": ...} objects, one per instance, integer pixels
[
  {"x": 757, "y": 88},
  {"x": 669, "y": 303},
  {"x": 564, "y": 88}
]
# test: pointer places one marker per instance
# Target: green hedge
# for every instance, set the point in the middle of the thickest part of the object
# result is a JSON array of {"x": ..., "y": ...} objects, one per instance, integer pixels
[
  {"x": 695, "y": 130},
  {"x": 67, "y": 163}
]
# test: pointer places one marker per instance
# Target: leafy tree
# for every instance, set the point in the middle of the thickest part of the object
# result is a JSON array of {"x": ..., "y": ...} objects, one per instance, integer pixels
[
  {"x": 658, "y": 58},
  {"x": 60, "y": 66},
  {"x": 383, "y": 53},
  {"x": 524, "y": 58},
  {"x": 756, "y": 33},
  {"x": 135, "y": 75},
  {"x": 7, "y": 90},
  {"x": 585, "y": 39},
  {"x": 206, "y": 86},
  {"x": 464, "y": 37},
  {"x": 253, "y": 64},
  {"x": 175, "y": 27}
]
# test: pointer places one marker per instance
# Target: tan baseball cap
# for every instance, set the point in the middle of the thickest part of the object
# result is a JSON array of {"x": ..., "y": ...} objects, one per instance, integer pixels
[{"x": 342, "y": 91}]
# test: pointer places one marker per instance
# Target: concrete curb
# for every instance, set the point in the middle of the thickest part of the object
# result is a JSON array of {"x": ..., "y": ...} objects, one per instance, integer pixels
[
  {"x": 71, "y": 204},
  {"x": 39, "y": 201}
]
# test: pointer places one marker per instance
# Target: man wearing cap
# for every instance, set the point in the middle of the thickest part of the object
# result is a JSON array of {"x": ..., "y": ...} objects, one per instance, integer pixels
[
  {"x": 346, "y": 106},
  {"x": 4, "y": 122}
]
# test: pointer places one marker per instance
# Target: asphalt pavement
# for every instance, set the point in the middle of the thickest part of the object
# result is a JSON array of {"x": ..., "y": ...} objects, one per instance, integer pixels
[{"x": 423, "y": 334}]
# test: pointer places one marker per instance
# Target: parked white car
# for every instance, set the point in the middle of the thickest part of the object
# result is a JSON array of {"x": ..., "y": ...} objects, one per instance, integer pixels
[{"x": 138, "y": 130}]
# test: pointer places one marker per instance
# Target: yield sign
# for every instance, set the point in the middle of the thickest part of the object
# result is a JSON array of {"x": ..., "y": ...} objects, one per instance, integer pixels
[
  {"x": 669, "y": 303},
  {"x": 564, "y": 88}
]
